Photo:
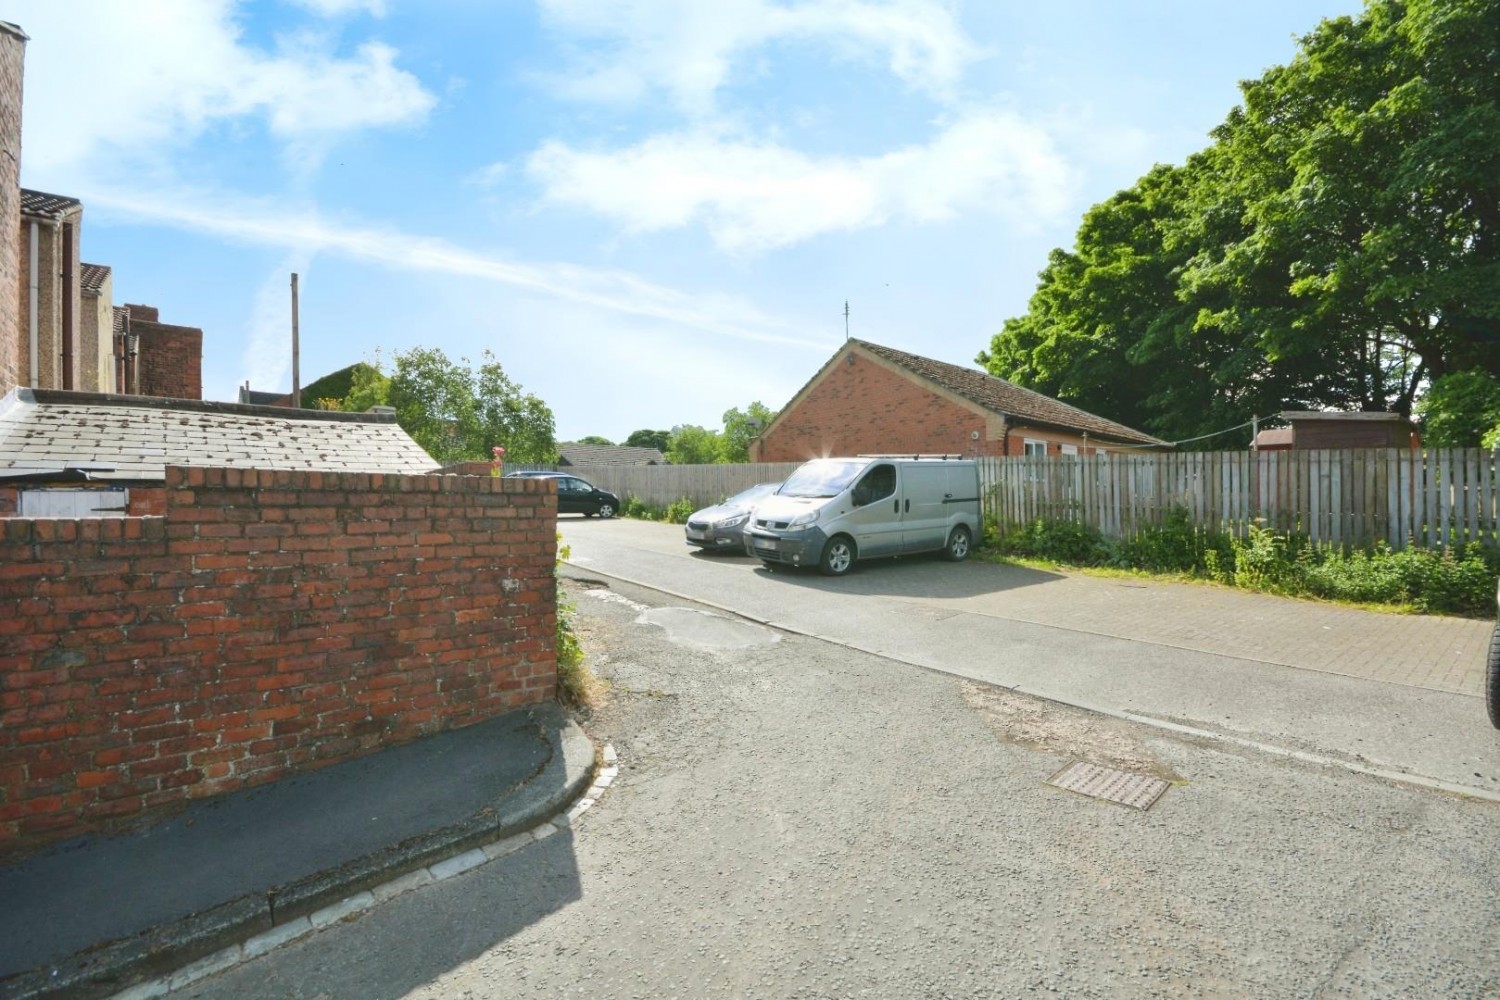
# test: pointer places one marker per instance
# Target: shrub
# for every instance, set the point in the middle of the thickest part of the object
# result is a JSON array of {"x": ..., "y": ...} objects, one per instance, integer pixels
[
  {"x": 577, "y": 686},
  {"x": 1175, "y": 546},
  {"x": 679, "y": 510},
  {"x": 1056, "y": 541}
]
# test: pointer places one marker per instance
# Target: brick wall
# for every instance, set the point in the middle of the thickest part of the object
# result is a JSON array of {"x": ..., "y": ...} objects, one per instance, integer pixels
[
  {"x": 145, "y": 501},
  {"x": 171, "y": 358},
  {"x": 268, "y": 623},
  {"x": 12, "y": 59},
  {"x": 865, "y": 408}
]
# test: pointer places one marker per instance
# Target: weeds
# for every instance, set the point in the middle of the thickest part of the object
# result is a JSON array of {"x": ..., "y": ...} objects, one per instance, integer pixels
[{"x": 1458, "y": 580}]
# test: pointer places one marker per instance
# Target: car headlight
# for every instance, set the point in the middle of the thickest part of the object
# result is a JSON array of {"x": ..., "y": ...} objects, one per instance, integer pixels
[
  {"x": 811, "y": 517},
  {"x": 733, "y": 522}
]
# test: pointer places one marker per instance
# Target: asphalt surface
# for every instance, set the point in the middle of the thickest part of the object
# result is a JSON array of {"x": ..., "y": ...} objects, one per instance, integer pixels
[
  {"x": 1394, "y": 695},
  {"x": 794, "y": 818},
  {"x": 94, "y": 914}
]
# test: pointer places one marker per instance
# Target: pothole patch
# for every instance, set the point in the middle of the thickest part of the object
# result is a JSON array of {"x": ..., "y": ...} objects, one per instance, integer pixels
[
  {"x": 706, "y": 630},
  {"x": 1049, "y": 727},
  {"x": 1138, "y": 791}
]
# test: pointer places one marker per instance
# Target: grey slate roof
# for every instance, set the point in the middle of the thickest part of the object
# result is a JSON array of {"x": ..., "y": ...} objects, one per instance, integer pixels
[
  {"x": 91, "y": 277},
  {"x": 137, "y": 437},
  {"x": 1006, "y": 397},
  {"x": 51, "y": 206},
  {"x": 571, "y": 453}
]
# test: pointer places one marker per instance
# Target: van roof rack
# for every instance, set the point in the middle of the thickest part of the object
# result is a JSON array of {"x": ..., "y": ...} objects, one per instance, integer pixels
[{"x": 934, "y": 458}]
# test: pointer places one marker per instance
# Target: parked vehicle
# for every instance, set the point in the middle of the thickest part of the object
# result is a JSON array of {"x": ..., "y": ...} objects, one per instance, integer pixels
[
  {"x": 722, "y": 526},
  {"x": 576, "y": 496},
  {"x": 834, "y": 511},
  {"x": 1492, "y": 675}
]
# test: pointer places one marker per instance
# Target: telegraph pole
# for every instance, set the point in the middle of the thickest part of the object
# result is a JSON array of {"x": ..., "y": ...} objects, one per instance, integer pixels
[{"x": 296, "y": 380}]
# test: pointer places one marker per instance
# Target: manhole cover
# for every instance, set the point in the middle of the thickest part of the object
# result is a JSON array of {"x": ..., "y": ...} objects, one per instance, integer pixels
[{"x": 1138, "y": 791}]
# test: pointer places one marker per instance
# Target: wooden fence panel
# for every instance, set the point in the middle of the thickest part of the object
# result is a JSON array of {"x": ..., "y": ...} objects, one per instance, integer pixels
[{"x": 1351, "y": 498}]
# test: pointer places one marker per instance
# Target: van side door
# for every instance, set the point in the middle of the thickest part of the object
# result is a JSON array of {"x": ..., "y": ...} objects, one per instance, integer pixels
[{"x": 924, "y": 511}]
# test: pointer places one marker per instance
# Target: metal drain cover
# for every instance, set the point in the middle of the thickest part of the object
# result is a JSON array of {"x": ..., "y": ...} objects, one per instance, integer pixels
[{"x": 1138, "y": 791}]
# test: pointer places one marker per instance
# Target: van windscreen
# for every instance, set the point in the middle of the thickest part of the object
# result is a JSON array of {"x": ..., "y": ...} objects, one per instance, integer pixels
[{"x": 822, "y": 478}]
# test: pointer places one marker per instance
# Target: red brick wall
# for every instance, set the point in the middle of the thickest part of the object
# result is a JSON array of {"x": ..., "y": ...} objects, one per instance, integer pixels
[
  {"x": 269, "y": 623},
  {"x": 12, "y": 59},
  {"x": 171, "y": 358},
  {"x": 865, "y": 408},
  {"x": 145, "y": 501}
]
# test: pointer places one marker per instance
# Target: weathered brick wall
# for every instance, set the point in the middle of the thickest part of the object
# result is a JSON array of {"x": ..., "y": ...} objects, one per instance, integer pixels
[
  {"x": 12, "y": 59},
  {"x": 865, "y": 408},
  {"x": 268, "y": 623},
  {"x": 171, "y": 359}
]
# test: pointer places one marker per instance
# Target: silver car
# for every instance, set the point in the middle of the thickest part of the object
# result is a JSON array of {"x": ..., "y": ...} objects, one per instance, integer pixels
[{"x": 722, "y": 526}]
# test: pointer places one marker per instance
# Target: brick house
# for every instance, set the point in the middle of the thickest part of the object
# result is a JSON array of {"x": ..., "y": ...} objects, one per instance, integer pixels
[
  {"x": 870, "y": 399},
  {"x": 12, "y": 60},
  {"x": 1331, "y": 429},
  {"x": 51, "y": 289}
]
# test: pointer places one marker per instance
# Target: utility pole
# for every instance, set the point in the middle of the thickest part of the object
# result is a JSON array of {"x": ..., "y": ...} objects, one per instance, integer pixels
[
  {"x": 296, "y": 377},
  {"x": 846, "y": 320}
]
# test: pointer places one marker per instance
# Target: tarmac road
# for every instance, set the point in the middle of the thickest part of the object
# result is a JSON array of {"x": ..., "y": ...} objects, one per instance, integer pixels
[
  {"x": 793, "y": 818},
  {"x": 1393, "y": 694}
]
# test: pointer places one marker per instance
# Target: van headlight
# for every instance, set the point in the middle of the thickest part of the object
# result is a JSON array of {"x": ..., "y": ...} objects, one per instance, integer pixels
[{"x": 802, "y": 520}]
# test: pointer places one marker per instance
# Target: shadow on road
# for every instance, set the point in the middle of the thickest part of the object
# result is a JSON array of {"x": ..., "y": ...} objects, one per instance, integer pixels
[{"x": 924, "y": 576}]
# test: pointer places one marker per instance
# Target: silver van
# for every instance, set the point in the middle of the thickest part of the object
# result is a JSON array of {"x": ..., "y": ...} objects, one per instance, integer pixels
[{"x": 833, "y": 511}]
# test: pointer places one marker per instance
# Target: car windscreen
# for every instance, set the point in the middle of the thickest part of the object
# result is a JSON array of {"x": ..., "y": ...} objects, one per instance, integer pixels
[
  {"x": 824, "y": 478},
  {"x": 745, "y": 498}
]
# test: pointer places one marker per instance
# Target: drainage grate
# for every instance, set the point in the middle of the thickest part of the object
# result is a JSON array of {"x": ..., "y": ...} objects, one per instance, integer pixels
[{"x": 1138, "y": 791}]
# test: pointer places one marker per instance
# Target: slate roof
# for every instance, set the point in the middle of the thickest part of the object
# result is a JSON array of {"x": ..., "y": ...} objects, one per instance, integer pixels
[
  {"x": 91, "y": 277},
  {"x": 136, "y": 438},
  {"x": 571, "y": 453},
  {"x": 1007, "y": 398},
  {"x": 51, "y": 206}
]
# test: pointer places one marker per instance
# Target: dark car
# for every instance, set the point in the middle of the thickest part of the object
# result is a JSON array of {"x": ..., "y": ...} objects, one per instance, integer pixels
[
  {"x": 723, "y": 525},
  {"x": 576, "y": 496}
]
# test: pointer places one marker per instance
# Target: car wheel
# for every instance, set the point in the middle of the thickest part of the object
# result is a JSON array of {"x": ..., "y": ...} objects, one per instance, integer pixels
[
  {"x": 606, "y": 510},
  {"x": 957, "y": 549},
  {"x": 838, "y": 556},
  {"x": 1492, "y": 680}
]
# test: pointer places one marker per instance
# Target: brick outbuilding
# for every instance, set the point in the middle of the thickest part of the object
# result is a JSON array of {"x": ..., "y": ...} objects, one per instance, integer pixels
[{"x": 870, "y": 399}]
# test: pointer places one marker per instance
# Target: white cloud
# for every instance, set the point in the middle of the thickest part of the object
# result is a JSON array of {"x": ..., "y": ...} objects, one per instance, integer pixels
[
  {"x": 339, "y": 8},
  {"x": 689, "y": 47},
  {"x": 754, "y": 196},
  {"x": 109, "y": 80},
  {"x": 271, "y": 224}
]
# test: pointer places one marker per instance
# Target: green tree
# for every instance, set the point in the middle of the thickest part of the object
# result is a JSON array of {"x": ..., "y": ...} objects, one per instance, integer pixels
[
  {"x": 596, "y": 439},
  {"x": 650, "y": 439},
  {"x": 740, "y": 428},
  {"x": 1459, "y": 410},
  {"x": 693, "y": 445},
  {"x": 455, "y": 412}
]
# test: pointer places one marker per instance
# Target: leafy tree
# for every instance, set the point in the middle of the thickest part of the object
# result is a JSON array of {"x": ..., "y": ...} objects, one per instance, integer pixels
[
  {"x": 333, "y": 386},
  {"x": 650, "y": 439},
  {"x": 596, "y": 439},
  {"x": 1459, "y": 409},
  {"x": 454, "y": 412},
  {"x": 1338, "y": 244},
  {"x": 740, "y": 428},
  {"x": 693, "y": 445}
]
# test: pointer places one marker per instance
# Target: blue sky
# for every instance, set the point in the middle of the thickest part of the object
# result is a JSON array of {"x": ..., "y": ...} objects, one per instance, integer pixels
[{"x": 650, "y": 211}]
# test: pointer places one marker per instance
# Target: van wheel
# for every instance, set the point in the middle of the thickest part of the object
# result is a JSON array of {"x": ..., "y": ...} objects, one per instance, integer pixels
[
  {"x": 838, "y": 556},
  {"x": 957, "y": 549},
  {"x": 1492, "y": 680}
]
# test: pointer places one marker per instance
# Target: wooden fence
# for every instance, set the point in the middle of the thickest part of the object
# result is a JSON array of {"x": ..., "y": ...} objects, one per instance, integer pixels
[{"x": 1354, "y": 498}]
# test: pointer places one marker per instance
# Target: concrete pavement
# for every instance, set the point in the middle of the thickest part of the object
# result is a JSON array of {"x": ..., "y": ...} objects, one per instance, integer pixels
[{"x": 231, "y": 877}]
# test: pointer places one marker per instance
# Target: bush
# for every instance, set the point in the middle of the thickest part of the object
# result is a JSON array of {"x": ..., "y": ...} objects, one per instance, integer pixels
[
  {"x": 1459, "y": 580},
  {"x": 577, "y": 687}
]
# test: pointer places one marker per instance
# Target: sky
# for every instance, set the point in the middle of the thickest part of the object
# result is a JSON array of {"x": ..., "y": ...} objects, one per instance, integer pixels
[{"x": 649, "y": 211}]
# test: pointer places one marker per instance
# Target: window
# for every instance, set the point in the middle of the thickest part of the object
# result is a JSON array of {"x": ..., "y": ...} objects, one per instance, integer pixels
[
  {"x": 877, "y": 484},
  {"x": 1070, "y": 449},
  {"x": 1036, "y": 449}
]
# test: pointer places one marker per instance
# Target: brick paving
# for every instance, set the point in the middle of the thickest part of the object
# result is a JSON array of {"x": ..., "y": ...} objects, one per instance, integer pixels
[{"x": 1434, "y": 653}]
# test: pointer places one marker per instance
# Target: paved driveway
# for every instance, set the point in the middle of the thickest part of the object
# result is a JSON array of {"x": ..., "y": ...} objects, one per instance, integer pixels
[{"x": 1398, "y": 694}]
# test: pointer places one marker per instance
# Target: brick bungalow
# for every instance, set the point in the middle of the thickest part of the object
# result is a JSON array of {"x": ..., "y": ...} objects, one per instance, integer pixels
[{"x": 870, "y": 399}]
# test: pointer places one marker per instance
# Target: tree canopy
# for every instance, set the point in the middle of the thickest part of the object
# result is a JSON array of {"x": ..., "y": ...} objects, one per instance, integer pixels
[
  {"x": 690, "y": 444},
  {"x": 1337, "y": 245},
  {"x": 455, "y": 412}
]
